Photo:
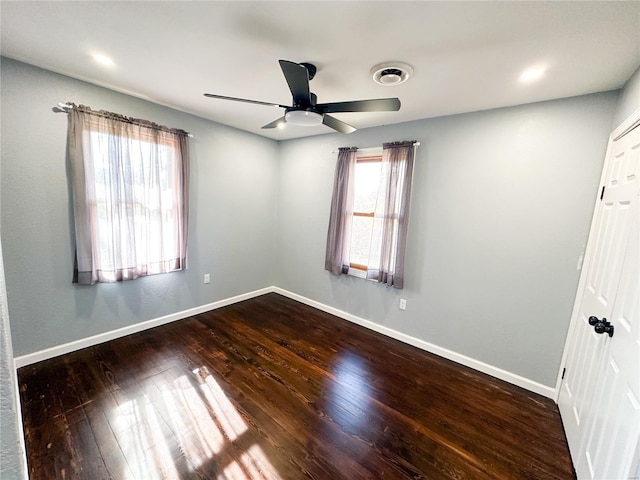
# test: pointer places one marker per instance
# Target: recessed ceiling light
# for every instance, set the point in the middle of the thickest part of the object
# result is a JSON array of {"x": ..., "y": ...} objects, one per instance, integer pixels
[
  {"x": 532, "y": 74},
  {"x": 103, "y": 59}
]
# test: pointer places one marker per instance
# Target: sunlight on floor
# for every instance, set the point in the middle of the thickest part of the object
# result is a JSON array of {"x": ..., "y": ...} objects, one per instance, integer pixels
[
  {"x": 142, "y": 441},
  {"x": 251, "y": 465},
  {"x": 230, "y": 420},
  {"x": 191, "y": 424}
]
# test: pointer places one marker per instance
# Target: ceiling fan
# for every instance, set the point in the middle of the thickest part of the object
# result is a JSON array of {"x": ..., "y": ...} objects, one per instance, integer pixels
[{"x": 305, "y": 109}]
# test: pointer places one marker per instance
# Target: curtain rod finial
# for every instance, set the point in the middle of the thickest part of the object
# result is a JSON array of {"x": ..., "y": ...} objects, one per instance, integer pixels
[{"x": 62, "y": 107}]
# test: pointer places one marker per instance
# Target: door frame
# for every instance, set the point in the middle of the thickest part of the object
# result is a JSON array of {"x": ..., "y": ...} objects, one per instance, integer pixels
[{"x": 629, "y": 124}]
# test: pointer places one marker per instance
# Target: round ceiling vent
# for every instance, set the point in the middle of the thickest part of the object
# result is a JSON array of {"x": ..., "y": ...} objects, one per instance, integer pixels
[{"x": 391, "y": 73}]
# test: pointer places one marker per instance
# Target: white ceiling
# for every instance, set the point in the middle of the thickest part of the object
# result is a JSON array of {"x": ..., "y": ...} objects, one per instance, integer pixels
[{"x": 467, "y": 56}]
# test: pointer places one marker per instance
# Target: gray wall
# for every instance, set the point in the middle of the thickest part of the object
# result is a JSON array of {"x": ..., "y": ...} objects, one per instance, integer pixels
[
  {"x": 629, "y": 100},
  {"x": 12, "y": 464},
  {"x": 232, "y": 221},
  {"x": 501, "y": 209}
]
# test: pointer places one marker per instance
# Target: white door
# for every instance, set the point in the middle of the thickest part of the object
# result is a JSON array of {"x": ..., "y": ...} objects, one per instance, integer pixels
[{"x": 600, "y": 395}]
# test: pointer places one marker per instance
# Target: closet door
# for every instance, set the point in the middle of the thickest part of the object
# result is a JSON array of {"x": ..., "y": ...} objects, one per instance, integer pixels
[{"x": 600, "y": 393}]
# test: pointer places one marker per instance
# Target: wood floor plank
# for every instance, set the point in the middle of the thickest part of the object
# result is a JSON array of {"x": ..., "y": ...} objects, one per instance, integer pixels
[
  {"x": 107, "y": 443},
  {"x": 49, "y": 450},
  {"x": 272, "y": 389}
]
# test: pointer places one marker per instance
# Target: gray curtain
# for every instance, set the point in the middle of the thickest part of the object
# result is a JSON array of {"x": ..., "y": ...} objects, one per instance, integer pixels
[
  {"x": 337, "y": 254},
  {"x": 130, "y": 186},
  {"x": 393, "y": 204}
]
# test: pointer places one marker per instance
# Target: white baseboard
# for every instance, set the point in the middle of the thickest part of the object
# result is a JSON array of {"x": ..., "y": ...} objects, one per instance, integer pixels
[
  {"x": 429, "y": 347},
  {"x": 48, "y": 353},
  {"x": 416, "y": 342}
]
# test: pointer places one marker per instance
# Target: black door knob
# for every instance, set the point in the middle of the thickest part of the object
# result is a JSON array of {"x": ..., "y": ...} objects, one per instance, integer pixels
[{"x": 601, "y": 326}]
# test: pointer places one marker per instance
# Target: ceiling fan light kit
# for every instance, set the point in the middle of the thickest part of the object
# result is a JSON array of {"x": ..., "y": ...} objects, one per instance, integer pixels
[
  {"x": 306, "y": 111},
  {"x": 303, "y": 118},
  {"x": 391, "y": 73}
]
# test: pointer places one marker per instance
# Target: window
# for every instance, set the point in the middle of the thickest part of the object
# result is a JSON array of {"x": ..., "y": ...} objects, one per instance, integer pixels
[
  {"x": 130, "y": 197},
  {"x": 364, "y": 241},
  {"x": 369, "y": 213}
]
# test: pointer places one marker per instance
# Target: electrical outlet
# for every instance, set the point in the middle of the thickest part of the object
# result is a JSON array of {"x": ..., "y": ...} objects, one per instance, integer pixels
[
  {"x": 207, "y": 278},
  {"x": 403, "y": 304}
]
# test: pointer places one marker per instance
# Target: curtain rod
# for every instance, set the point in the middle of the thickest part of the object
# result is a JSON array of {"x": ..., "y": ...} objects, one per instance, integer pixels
[
  {"x": 65, "y": 107},
  {"x": 415, "y": 144}
]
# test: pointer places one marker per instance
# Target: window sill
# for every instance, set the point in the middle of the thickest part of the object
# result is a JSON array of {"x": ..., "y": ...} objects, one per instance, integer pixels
[{"x": 354, "y": 272}]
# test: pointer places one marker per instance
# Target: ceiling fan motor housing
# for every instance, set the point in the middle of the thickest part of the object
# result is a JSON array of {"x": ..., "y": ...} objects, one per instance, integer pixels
[{"x": 313, "y": 100}]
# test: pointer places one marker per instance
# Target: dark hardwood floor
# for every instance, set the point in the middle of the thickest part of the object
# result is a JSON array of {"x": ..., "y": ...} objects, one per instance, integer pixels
[{"x": 271, "y": 388}]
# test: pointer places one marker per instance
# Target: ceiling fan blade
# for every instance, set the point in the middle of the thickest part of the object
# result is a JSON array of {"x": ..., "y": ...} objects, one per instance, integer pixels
[
  {"x": 275, "y": 123},
  {"x": 337, "y": 125},
  {"x": 377, "y": 105},
  {"x": 298, "y": 80},
  {"x": 257, "y": 102}
]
